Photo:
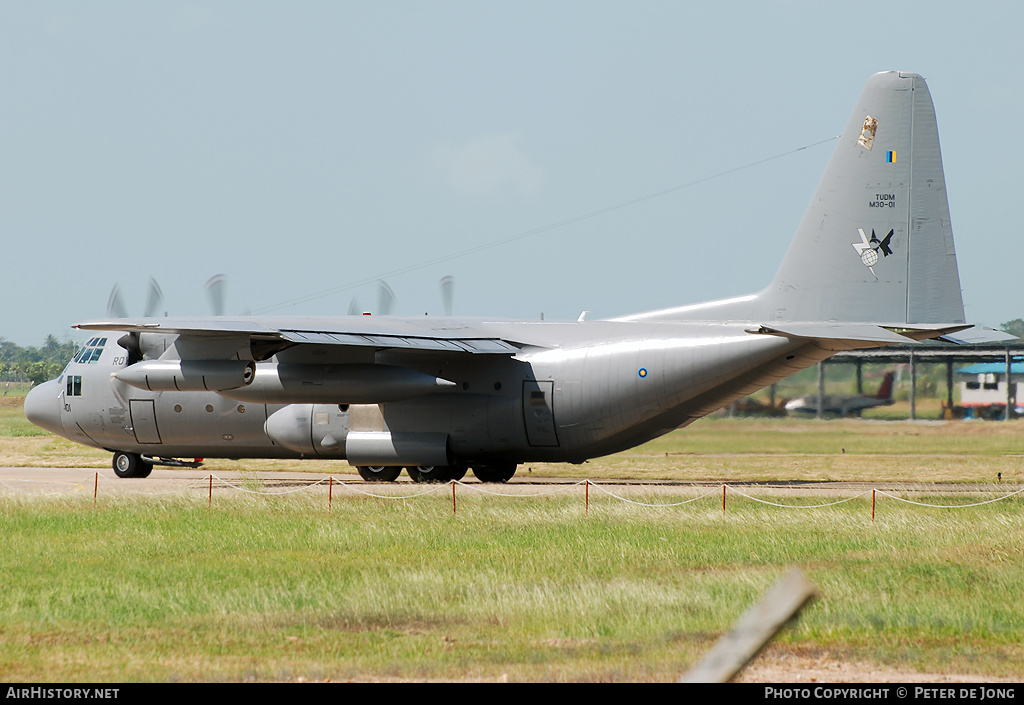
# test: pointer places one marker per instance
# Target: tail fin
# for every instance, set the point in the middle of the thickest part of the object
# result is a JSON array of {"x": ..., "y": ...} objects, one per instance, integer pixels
[
  {"x": 876, "y": 244},
  {"x": 885, "y": 388}
]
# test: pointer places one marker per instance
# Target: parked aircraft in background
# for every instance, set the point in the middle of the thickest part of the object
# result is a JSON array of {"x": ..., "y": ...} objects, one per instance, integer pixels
[
  {"x": 440, "y": 395},
  {"x": 844, "y": 404}
]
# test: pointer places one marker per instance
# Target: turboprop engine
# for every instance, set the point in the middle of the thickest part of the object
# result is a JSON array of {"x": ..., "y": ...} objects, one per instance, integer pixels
[{"x": 188, "y": 375}]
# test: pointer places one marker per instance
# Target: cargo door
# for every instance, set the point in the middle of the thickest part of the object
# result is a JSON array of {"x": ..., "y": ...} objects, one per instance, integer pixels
[{"x": 143, "y": 413}]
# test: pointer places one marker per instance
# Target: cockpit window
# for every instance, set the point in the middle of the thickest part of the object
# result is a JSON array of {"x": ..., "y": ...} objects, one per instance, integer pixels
[{"x": 91, "y": 352}]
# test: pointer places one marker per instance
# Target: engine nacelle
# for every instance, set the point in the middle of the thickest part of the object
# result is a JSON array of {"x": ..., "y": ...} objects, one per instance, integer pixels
[
  {"x": 386, "y": 448},
  {"x": 310, "y": 429},
  {"x": 188, "y": 375},
  {"x": 337, "y": 384},
  {"x": 323, "y": 430}
]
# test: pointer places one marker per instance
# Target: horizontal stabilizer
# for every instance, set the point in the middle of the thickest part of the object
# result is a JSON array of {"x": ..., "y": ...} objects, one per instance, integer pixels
[
  {"x": 854, "y": 333},
  {"x": 977, "y": 335}
]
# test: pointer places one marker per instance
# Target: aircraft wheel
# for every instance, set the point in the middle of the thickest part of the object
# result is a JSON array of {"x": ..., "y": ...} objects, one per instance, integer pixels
[
  {"x": 501, "y": 472},
  {"x": 378, "y": 473},
  {"x": 430, "y": 473},
  {"x": 131, "y": 465}
]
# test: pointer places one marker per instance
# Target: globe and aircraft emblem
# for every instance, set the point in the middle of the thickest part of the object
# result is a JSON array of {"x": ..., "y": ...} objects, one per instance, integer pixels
[{"x": 869, "y": 249}]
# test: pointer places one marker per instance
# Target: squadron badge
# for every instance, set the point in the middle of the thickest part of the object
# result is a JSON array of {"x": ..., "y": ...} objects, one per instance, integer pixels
[{"x": 869, "y": 249}]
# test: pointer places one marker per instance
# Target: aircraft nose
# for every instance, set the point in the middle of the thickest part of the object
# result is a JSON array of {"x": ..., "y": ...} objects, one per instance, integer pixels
[{"x": 42, "y": 407}]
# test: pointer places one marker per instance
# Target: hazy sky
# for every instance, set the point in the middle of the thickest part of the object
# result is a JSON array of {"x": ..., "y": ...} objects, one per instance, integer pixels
[{"x": 310, "y": 148}]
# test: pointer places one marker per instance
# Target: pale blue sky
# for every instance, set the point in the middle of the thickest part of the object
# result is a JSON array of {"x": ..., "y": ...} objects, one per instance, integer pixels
[{"x": 313, "y": 147}]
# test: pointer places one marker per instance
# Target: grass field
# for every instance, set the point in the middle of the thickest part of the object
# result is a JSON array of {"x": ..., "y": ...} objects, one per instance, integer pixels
[
  {"x": 276, "y": 588},
  {"x": 280, "y": 590}
]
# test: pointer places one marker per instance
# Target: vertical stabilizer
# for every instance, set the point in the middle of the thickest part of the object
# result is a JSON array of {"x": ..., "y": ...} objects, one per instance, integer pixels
[
  {"x": 875, "y": 244},
  {"x": 885, "y": 388}
]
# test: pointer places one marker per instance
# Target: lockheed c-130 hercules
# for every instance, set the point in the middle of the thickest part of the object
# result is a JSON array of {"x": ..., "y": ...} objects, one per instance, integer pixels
[{"x": 440, "y": 395}]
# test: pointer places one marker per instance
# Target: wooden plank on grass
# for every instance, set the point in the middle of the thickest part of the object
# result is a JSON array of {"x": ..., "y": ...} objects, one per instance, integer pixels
[{"x": 754, "y": 630}]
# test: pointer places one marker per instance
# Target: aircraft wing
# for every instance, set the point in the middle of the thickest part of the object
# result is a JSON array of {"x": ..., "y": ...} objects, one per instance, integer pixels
[{"x": 437, "y": 335}]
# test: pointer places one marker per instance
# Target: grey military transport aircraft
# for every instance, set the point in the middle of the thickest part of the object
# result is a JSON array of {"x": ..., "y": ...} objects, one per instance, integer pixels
[
  {"x": 440, "y": 395},
  {"x": 844, "y": 404}
]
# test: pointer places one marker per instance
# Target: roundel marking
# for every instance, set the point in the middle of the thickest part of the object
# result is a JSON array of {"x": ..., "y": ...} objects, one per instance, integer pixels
[{"x": 642, "y": 372}]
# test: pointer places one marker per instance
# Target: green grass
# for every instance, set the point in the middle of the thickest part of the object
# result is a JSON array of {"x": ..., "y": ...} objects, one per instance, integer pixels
[
  {"x": 265, "y": 589},
  {"x": 278, "y": 589},
  {"x": 13, "y": 423}
]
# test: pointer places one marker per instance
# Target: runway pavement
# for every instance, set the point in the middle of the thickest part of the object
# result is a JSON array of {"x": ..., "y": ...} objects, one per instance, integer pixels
[{"x": 38, "y": 481}]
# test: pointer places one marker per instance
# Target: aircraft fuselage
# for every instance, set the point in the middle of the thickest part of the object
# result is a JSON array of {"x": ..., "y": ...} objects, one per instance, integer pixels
[{"x": 602, "y": 387}]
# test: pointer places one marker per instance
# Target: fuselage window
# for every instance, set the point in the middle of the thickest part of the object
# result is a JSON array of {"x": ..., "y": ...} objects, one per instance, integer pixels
[{"x": 74, "y": 388}]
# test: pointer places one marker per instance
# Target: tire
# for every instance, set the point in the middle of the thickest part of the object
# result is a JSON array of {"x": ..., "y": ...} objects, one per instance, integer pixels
[
  {"x": 501, "y": 472},
  {"x": 430, "y": 473},
  {"x": 379, "y": 473},
  {"x": 130, "y": 465}
]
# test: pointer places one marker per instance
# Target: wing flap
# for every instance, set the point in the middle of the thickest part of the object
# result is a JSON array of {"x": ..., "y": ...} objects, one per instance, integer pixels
[{"x": 489, "y": 346}]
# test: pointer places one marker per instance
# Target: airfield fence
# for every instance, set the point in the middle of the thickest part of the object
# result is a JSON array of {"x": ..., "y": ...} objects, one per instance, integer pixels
[{"x": 256, "y": 487}]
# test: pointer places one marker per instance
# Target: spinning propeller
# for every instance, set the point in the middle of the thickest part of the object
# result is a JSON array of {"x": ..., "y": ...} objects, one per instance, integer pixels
[
  {"x": 215, "y": 288},
  {"x": 154, "y": 301},
  {"x": 386, "y": 298}
]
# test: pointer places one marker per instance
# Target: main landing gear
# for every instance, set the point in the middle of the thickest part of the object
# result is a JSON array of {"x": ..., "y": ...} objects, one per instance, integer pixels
[
  {"x": 436, "y": 473},
  {"x": 499, "y": 472},
  {"x": 379, "y": 473}
]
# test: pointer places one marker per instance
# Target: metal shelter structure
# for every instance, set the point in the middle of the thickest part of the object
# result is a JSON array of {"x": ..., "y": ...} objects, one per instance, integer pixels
[{"x": 928, "y": 353}]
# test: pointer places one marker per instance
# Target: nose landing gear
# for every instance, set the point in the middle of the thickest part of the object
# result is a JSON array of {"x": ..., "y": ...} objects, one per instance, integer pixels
[{"x": 131, "y": 465}]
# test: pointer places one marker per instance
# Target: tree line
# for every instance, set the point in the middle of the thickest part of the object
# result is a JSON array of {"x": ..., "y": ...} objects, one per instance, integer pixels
[{"x": 35, "y": 364}]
